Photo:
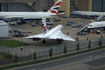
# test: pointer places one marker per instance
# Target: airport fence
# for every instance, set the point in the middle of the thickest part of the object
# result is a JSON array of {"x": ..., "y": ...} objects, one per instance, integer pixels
[{"x": 57, "y": 49}]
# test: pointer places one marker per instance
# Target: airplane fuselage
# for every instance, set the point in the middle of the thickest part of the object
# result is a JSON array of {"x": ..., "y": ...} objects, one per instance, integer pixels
[
  {"x": 88, "y": 13},
  {"x": 95, "y": 25},
  {"x": 27, "y": 15}
]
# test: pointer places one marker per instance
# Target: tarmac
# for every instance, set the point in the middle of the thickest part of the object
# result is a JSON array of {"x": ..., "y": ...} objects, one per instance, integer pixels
[{"x": 38, "y": 29}]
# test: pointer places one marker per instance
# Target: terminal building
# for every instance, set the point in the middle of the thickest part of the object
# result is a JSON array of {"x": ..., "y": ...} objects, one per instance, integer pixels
[{"x": 82, "y": 5}]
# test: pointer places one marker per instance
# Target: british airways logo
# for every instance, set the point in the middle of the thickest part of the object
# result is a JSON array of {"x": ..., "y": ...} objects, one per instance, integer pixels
[
  {"x": 45, "y": 29},
  {"x": 59, "y": 3},
  {"x": 57, "y": 8}
]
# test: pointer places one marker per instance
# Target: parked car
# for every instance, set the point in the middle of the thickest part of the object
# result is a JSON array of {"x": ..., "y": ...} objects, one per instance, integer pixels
[
  {"x": 33, "y": 24},
  {"x": 57, "y": 19},
  {"x": 82, "y": 33},
  {"x": 19, "y": 34},
  {"x": 70, "y": 23},
  {"x": 12, "y": 23},
  {"x": 49, "y": 27},
  {"x": 76, "y": 26},
  {"x": 97, "y": 31},
  {"x": 49, "y": 23}
]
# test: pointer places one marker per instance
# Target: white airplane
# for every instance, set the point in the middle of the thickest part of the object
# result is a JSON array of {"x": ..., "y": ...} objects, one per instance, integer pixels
[
  {"x": 95, "y": 25},
  {"x": 90, "y": 14},
  {"x": 54, "y": 33},
  {"x": 51, "y": 13}
]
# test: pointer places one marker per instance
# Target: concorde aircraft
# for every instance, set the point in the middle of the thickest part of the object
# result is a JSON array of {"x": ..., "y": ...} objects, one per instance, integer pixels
[
  {"x": 95, "y": 25},
  {"x": 51, "y": 13},
  {"x": 54, "y": 33},
  {"x": 90, "y": 14}
]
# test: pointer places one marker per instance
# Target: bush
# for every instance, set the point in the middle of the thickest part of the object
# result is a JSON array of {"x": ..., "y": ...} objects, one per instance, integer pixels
[
  {"x": 65, "y": 49},
  {"x": 89, "y": 45},
  {"x": 1, "y": 57},
  {"x": 100, "y": 42},
  {"x": 16, "y": 58},
  {"x": 6, "y": 55},
  {"x": 78, "y": 47},
  {"x": 50, "y": 52},
  {"x": 34, "y": 56}
]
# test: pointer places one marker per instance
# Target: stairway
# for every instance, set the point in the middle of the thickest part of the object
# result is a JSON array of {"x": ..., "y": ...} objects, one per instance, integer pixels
[{"x": 85, "y": 29}]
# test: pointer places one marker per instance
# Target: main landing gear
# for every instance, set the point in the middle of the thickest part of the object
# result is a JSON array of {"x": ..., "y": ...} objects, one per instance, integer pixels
[{"x": 44, "y": 41}]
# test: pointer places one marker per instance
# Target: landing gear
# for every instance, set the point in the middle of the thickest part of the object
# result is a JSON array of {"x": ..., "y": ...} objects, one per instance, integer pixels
[
  {"x": 44, "y": 41},
  {"x": 92, "y": 17},
  {"x": 59, "y": 42},
  {"x": 88, "y": 17}
]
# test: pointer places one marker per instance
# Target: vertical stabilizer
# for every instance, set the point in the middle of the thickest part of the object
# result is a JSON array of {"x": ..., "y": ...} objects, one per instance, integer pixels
[
  {"x": 44, "y": 26},
  {"x": 55, "y": 7}
]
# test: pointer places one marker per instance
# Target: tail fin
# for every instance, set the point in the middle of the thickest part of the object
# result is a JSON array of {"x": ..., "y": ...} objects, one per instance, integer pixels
[
  {"x": 45, "y": 26},
  {"x": 55, "y": 7}
]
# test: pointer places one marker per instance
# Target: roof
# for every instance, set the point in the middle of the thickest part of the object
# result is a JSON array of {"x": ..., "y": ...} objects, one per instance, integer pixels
[{"x": 3, "y": 23}]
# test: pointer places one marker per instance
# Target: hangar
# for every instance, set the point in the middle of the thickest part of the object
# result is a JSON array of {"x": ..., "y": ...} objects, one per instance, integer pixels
[
  {"x": 25, "y": 5},
  {"x": 16, "y": 5},
  {"x": 82, "y": 5}
]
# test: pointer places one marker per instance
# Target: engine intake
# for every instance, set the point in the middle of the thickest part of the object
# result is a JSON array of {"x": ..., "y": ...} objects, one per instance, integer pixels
[
  {"x": 36, "y": 39},
  {"x": 59, "y": 40}
]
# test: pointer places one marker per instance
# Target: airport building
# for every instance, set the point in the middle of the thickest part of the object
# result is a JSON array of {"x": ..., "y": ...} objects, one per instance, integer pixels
[
  {"x": 43, "y": 5},
  {"x": 25, "y": 5},
  {"x": 82, "y": 5},
  {"x": 16, "y": 5}
]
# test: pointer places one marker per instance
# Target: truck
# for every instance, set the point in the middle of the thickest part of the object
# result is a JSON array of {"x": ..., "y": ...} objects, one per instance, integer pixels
[
  {"x": 4, "y": 29},
  {"x": 48, "y": 22}
]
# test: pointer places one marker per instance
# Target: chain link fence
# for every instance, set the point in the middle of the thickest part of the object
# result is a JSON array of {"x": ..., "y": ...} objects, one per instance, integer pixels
[{"x": 57, "y": 49}]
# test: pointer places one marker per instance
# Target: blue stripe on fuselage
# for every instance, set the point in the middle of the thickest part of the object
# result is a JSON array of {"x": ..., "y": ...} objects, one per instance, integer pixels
[{"x": 97, "y": 27}]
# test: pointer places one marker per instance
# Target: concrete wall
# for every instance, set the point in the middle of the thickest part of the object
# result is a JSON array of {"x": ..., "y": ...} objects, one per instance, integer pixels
[{"x": 84, "y": 5}]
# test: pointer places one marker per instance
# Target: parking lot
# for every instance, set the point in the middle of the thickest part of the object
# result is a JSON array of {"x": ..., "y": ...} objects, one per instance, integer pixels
[{"x": 38, "y": 29}]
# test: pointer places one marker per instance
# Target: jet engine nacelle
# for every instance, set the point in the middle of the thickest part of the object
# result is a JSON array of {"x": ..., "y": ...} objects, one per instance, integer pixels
[
  {"x": 59, "y": 40},
  {"x": 4, "y": 19},
  {"x": 36, "y": 39}
]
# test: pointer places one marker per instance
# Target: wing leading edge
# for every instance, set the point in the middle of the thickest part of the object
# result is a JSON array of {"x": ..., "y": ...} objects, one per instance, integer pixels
[
  {"x": 35, "y": 36},
  {"x": 59, "y": 35}
]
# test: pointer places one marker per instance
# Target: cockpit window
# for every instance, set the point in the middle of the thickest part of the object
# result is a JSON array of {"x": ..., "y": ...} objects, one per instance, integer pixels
[{"x": 90, "y": 25}]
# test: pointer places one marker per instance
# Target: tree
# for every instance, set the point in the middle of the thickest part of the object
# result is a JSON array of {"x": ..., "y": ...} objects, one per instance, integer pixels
[
  {"x": 89, "y": 45},
  {"x": 100, "y": 42},
  {"x": 50, "y": 52},
  {"x": 78, "y": 46},
  {"x": 16, "y": 58},
  {"x": 34, "y": 56},
  {"x": 65, "y": 49}
]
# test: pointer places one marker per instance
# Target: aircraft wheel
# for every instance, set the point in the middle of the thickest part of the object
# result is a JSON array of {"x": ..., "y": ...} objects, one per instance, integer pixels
[
  {"x": 44, "y": 41},
  {"x": 59, "y": 42},
  {"x": 92, "y": 17}
]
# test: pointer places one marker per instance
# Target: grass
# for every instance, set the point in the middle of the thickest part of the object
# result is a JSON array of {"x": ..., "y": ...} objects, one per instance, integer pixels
[
  {"x": 12, "y": 43},
  {"x": 49, "y": 59}
]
